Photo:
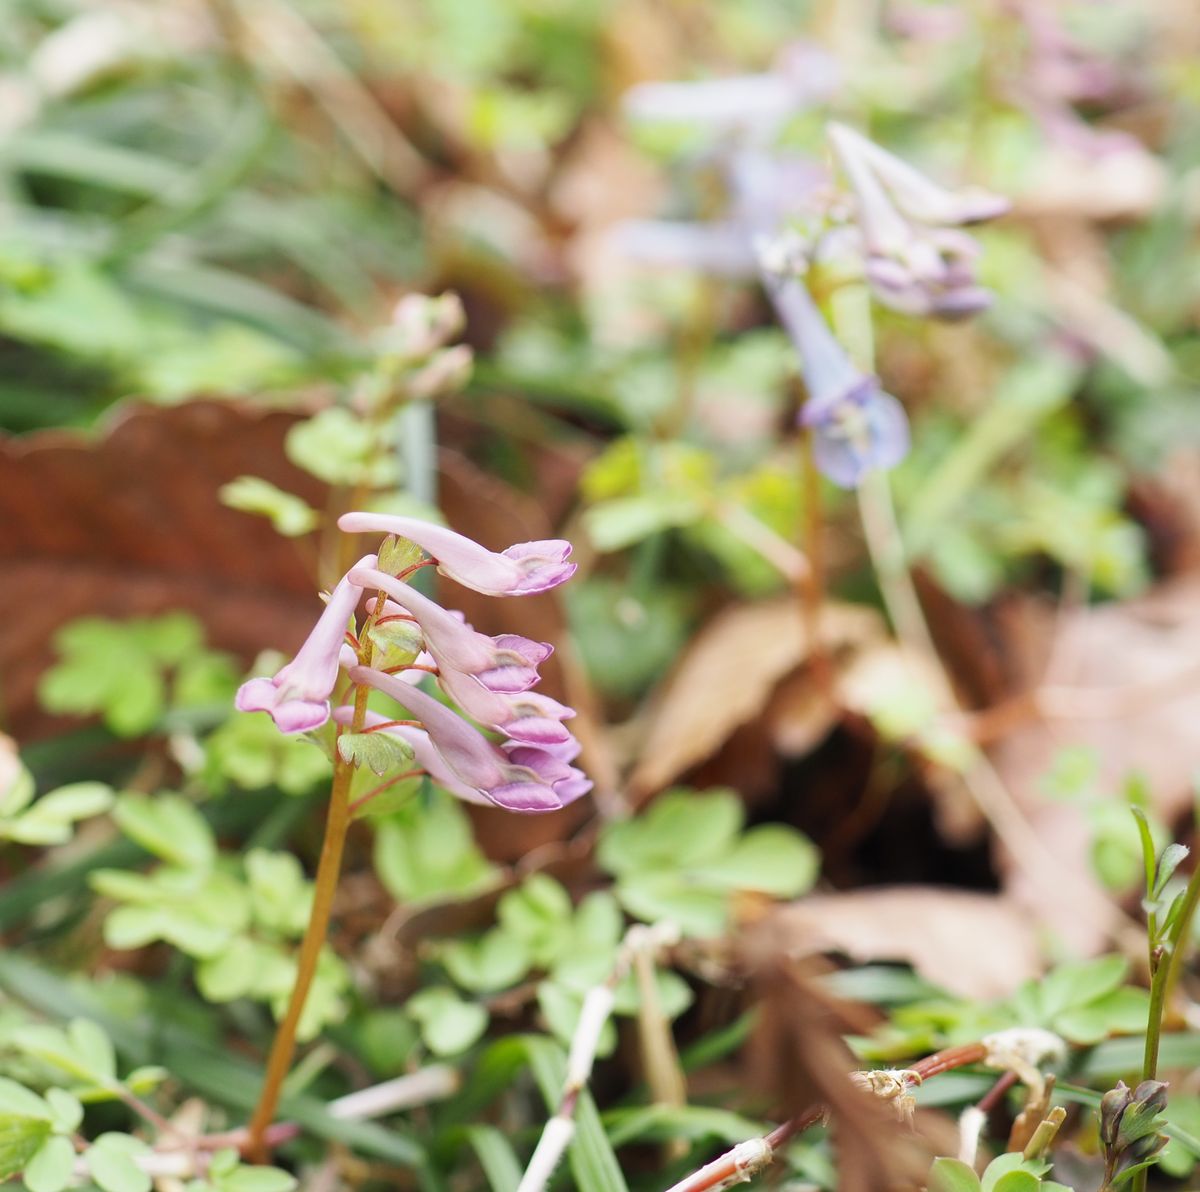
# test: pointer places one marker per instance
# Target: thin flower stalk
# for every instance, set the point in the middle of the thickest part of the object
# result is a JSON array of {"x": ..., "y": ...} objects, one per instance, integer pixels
[
  {"x": 488, "y": 677},
  {"x": 597, "y": 1009},
  {"x": 329, "y": 867}
]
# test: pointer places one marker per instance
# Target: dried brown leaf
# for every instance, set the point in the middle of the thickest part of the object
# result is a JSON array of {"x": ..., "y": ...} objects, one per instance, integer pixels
[
  {"x": 1126, "y": 685},
  {"x": 727, "y": 677},
  {"x": 978, "y": 946},
  {"x": 130, "y": 524}
]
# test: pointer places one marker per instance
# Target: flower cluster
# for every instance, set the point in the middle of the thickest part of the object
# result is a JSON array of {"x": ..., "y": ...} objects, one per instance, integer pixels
[
  {"x": 916, "y": 257},
  {"x": 897, "y": 229},
  {"x": 488, "y": 678}
]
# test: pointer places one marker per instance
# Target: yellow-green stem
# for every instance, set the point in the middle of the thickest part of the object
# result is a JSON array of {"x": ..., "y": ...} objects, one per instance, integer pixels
[
  {"x": 1164, "y": 971},
  {"x": 328, "y": 868}
]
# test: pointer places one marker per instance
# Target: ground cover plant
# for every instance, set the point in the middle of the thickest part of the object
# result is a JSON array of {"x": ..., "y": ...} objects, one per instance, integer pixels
[{"x": 599, "y": 597}]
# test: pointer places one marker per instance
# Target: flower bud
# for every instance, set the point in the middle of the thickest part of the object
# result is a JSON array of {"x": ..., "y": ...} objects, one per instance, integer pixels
[{"x": 1112, "y": 1107}]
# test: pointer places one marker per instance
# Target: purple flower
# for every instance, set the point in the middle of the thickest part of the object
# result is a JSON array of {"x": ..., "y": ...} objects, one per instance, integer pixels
[
  {"x": 756, "y": 104},
  {"x": 507, "y": 663},
  {"x": 297, "y": 698},
  {"x": 915, "y": 195},
  {"x": 475, "y": 761},
  {"x": 856, "y": 427},
  {"x": 916, "y": 260},
  {"x": 569, "y": 783},
  {"x": 861, "y": 431},
  {"x": 424, "y": 752},
  {"x": 520, "y": 570}
]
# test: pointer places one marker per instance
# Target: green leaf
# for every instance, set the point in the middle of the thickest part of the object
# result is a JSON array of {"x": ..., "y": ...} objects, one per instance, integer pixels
[
  {"x": 339, "y": 448},
  {"x": 111, "y": 1160},
  {"x": 168, "y": 826},
  {"x": 1028, "y": 394},
  {"x": 1183, "y": 1111},
  {"x": 561, "y": 1006},
  {"x": 251, "y": 753},
  {"x": 379, "y": 751},
  {"x": 1009, "y": 1163},
  {"x": 290, "y": 516},
  {"x": 256, "y": 1179},
  {"x": 1017, "y": 1181},
  {"x": 169, "y": 638},
  {"x": 21, "y": 1138},
  {"x": 538, "y": 912},
  {"x": 94, "y": 1048},
  {"x": 952, "y": 1175},
  {"x": 280, "y": 895},
  {"x": 50, "y": 819},
  {"x": 67, "y": 1110},
  {"x": 660, "y": 897},
  {"x": 51, "y": 1169},
  {"x": 84, "y": 1051},
  {"x": 385, "y": 1040},
  {"x": 16, "y": 1100},
  {"x": 773, "y": 859},
  {"x": 1168, "y": 862},
  {"x": 230, "y": 974},
  {"x": 616, "y": 524},
  {"x": 674, "y": 994},
  {"x": 1072, "y": 985},
  {"x": 428, "y": 851},
  {"x": 448, "y": 1024},
  {"x": 20, "y": 790},
  {"x": 594, "y": 1166},
  {"x": 494, "y": 961},
  {"x": 496, "y": 1156},
  {"x": 1123, "y": 1011},
  {"x": 680, "y": 828},
  {"x": 397, "y": 554},
  {"x": 205, "y": 680}
]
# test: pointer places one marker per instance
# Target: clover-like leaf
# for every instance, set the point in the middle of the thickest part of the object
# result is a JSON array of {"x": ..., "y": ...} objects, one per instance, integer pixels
[
  {"x": 112, "y": 1161},
  {"x": 380, "y": 752},
  {"x": 52, "y": 1168},
  {"x": 290, "y": 515},
  {"x": 169, "y": 826},
  {"x": 448, "y": 1024}
]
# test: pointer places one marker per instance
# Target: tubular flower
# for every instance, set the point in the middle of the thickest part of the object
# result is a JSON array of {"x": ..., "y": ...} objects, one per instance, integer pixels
[
  {"x": 424, "y": 752},
  {"x": 916, "y": 259},
  {"x": 488, "y": 678},
  {"x": 520, "y": 570},
  {"x": 297, "y": 697},
  {"x": 473, "y": 759},
  {"x": 507, "y": 663},
  {"x": 856, "y": 427}
]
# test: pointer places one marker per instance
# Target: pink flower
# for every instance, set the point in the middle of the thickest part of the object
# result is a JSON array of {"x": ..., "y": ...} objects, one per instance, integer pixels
[
  {"x": 475, "y": 761},
  {"x": 424, "y": 752},
  {"x": 569, "y": 783},
  {"x": 297, "y": 698},
  {"x": 507, "y": 663},
  {"x": 520, "y": 570}
]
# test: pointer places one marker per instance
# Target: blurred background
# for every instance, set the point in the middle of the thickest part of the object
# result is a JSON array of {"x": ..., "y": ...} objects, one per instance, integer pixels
[{"x": 210, "y": 208}]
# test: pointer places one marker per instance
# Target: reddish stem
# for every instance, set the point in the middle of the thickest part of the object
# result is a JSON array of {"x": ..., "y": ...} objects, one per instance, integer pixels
[
  {"x": 383, "y": 786},
  {"x": 730, "y": 1167}
]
